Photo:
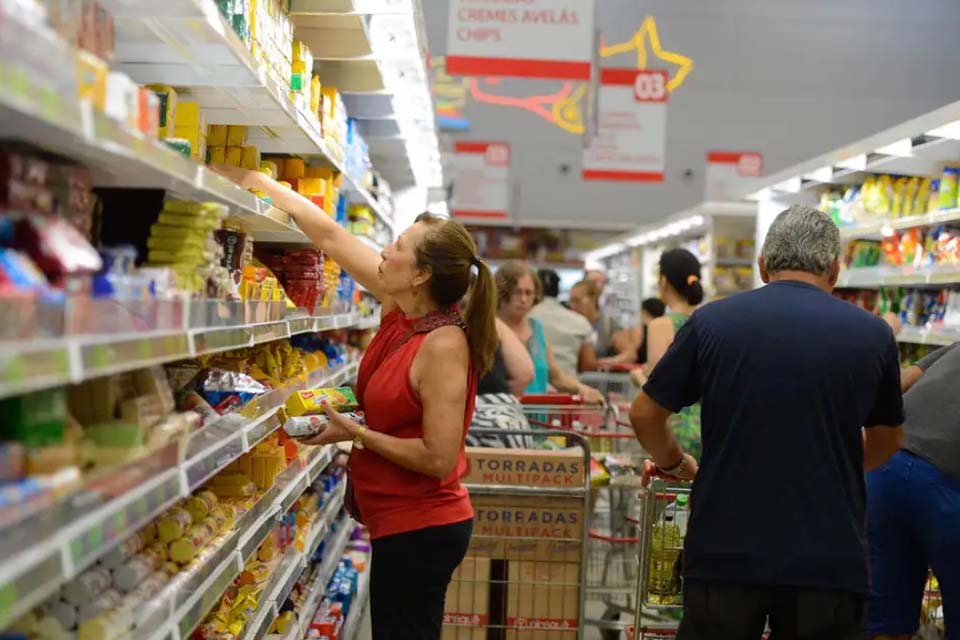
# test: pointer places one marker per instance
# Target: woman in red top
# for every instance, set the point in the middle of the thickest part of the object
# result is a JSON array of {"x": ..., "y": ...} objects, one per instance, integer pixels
[{"x": 416, "y": 385}]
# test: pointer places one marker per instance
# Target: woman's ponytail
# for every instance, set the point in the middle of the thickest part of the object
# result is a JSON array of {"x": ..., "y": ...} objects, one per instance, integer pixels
[
  {"x": 450, "y": 253},
  {"x": 481, "y": 319}
]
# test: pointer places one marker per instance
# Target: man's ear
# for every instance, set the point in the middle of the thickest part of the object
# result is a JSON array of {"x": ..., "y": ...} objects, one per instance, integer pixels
[
  {"x": 764, "y": 274},
  {"x": 834, "y": 274}
]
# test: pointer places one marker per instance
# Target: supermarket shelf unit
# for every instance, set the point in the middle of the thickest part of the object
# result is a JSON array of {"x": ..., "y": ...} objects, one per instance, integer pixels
[
  {"x": 358, "y": 606},
  {"x": 918, "y": 147},
  {"x": 79, "y": 531},
  {"x": 35, "y": 364}
]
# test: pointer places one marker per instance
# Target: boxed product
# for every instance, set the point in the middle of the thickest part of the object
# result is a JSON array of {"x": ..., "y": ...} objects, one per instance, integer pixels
[
  {"x": 525, "y": 467},
  {"x": 543, "y": 600},
  {"x": 527, "y": 527},
  {"x": 466, "y": 611},
  {"x": 311, "y": 425},
  {"x": 312, "y": 401}
]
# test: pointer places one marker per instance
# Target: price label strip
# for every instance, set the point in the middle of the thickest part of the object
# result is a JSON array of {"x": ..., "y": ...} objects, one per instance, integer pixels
[{"x": 212, "y": 340}]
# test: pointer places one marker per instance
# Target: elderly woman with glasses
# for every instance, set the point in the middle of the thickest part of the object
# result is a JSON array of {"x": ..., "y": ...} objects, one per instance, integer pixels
[{"x": 518, "y": 289}]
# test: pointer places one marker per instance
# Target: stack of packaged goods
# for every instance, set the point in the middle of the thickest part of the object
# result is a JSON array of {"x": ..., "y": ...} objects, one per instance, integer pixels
[
  {"x": 53, "y": 439},
  {"x": 357, "y": 161},
  {"x": 321, "y": 185},
  {"x": 333, "y": 120},
  {"x": 227, "y": 144},
  {"x": 892, "y": 197},
  {"x": 304, "y": 92},
  {"x": 340, "y": 597},
  {"x": 313, "y": 282},
  {"x": 917, "y": 247}
]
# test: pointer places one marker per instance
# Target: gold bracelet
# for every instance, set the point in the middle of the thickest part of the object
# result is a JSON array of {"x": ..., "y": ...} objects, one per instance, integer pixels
[{"x": 358, "y": 439}]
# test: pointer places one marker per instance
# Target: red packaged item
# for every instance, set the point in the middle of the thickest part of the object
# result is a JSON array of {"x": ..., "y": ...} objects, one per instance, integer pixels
[
  {"x": 303, "y": 257},
  {"x": 57, "y": 248}
]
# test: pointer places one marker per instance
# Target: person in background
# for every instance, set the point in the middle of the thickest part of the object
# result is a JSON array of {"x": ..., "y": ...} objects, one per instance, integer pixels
[
  {"x": 518, "y": 287},
  {"x": 681, "y": 291},
  {"x": 512, "y": 370},
  {"x": 568, "y": 332},
  {"x": 913, "y": 504},
  {"x": 417, "y": 387},
  {"x": 788, "y": 377},
  {"x": 599, "y": 280},
  {"x": 612, "y": 344},
  {"x": 650, "y": 310}
]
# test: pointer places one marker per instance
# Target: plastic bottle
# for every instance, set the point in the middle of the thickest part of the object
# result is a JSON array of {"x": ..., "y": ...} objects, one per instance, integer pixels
[
  {"x": 664, "y": 553},
  {"x": 682, "y": 513}
]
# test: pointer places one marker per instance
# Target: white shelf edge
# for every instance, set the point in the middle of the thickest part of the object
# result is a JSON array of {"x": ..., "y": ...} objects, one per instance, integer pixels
[{"x": 874, "y": 227}]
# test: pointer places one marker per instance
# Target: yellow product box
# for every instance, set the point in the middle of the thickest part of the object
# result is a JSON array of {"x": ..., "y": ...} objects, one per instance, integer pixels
[
  {"x": 315, "y": 95},
  {"x": 293, "y": 169},
  {"x": 218, "y": 155},
  {"x": 236, "y": 135},
  {"x": 92, "y": 79},
  {"x": 319, "y": 172},
  {"x": 250, "y": 157},
  {"x": 269, "y": 167},
  {"x": 311, "y": 186},
  {"x": 188, "y": 116},
  {"x": 217, "y": 135},
  {"x": 312, "y": 401},
  {"x": 234, "y": 156}
]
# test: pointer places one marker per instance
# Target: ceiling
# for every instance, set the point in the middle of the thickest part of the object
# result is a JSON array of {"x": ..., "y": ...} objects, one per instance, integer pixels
[{"x": 787, "y": 79}]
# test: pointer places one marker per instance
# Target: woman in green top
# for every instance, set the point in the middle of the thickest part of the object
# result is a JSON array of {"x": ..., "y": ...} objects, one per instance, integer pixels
[
  {"x": 681, "y": 291},
  {"x": 518, "y": 289}
]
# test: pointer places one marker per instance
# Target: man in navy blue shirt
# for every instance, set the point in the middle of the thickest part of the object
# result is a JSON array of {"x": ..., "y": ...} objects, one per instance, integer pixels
[{"x": 799, "y": 392}]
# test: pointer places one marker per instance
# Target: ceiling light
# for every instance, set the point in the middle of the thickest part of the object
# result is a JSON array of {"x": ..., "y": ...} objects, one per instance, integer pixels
[
  {"x": 823, "y": 174},
  {"x": 761, "y": 195},
  {"x": 950, "y": 130},
  {"x": 902, "y": 148},
  {"x": 791, "y": 185},
  {"x": 856, "y": 163}
]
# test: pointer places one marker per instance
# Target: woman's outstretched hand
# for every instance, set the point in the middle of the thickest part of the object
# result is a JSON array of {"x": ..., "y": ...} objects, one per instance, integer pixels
[{"x": 245, "y": 178}]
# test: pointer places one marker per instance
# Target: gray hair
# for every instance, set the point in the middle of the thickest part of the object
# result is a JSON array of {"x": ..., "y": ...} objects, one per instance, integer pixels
[{"x": 801, "y": 239}]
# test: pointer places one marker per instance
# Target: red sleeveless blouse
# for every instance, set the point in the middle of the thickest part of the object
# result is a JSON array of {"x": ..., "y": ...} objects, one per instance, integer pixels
[{"x": 392, "y": 499}]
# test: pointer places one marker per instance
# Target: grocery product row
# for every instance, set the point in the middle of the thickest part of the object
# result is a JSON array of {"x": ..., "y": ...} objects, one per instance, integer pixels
[
  {"x": 85, "y": 466},
  {"x": 60, "y": 92}
]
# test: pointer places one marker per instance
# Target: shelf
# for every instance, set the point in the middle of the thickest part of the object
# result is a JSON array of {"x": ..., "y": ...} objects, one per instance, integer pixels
[
  {"x": 874, "y": 228},
  {"x": 928, "y": 335},
  {"x": 883, "y": 276},
  {"x": 89, "y": 523},
  {"x": 188, "y": 44},
  {"x": 358, "y": 605},
  {"x": 32, "y": 364},
  {"x": 732, "y": 262}
]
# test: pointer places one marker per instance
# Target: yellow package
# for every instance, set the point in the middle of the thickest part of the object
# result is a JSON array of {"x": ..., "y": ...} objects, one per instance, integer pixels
[
  {"x": 293, "y": 169},
  {"x": 910, "y": 196},
  {"x": 92, "y": 79},
  {"x": 217, "y": 135},
  {"x": 187, "y": 115},
  {"x": 236, "y": 135},
  {"x": 311, "y": 186},
  {"x": 200, "y": 505},
  {"x": 234, "y": 156},
  {"x": 315, "y": 96},
  {"x": 235, "y": 491},
  {"x": 250, "y": 157},
  {"x": 269, "y": 167},
  {"x": 923, "y": 197},
  {"x": 218, "y": 155},
  {"x": 896, "y": 205},
  {"x": 173, "y": 524},
  {"x": 312, "y": 401}
]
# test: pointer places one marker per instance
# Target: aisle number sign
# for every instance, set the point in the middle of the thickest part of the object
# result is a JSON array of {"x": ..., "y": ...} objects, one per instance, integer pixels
[
  {"x": 481, "y": 181},
  {"x": 631, "y": 127},
  {"x": 525, "y": 39},
  {"x": 730, "y": 174}
]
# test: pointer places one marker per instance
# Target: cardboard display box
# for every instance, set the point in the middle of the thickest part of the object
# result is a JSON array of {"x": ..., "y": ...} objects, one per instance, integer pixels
[
  {"x": 527, "y": 528},
  {"x": 525, "y": 467},
  {"x": 466, "y": 611},
  {"x": 542, "y": 600}
]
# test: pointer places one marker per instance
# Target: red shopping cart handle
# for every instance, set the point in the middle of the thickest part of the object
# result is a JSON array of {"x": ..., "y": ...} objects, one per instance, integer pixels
[{"x": 552, "y": 399}]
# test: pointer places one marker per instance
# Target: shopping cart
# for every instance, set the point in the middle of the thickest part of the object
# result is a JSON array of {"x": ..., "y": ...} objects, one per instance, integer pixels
[
  {"x": 523, "y": 576},
  {"x": 662, "y": 528},
  {"x": 616, "y": 466},
  {"x": 614, "y": 382}
]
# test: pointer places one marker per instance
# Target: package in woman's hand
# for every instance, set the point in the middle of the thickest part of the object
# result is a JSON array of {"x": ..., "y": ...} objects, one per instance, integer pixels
[{"x": 308, "y": 426}]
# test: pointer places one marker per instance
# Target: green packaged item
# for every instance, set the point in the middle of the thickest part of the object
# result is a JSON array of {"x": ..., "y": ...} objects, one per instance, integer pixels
[
  {"x": 35, "y": 419},
  {"x": 181, "y": 146},
  {"x": 948, "y": 188},
  {"x": 114, "y": 433}
]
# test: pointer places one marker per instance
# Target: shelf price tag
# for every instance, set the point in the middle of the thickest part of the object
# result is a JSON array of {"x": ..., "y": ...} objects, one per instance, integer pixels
[{"x": 222, "y": 339}]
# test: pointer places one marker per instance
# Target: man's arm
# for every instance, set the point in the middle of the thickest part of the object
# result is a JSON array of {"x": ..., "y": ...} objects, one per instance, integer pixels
[
  {"x": 884, "y": 433},
  {"x": 649, "y": 421}
]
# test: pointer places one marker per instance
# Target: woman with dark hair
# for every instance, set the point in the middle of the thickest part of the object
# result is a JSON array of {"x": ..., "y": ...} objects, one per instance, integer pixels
[
  {"x": 650, "y": 310},
  {"x": 417, "y": 386},
  {"x": 681, "y": 291}
]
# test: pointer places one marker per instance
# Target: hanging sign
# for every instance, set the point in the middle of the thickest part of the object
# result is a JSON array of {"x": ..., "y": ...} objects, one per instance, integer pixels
[
  {"x": 481, "y": 180},
  {"x": 631, "y": 127},
  {"x": 524, "y": 39},
  {"x": 730, "y": 174}
]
